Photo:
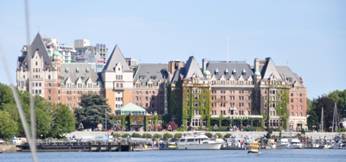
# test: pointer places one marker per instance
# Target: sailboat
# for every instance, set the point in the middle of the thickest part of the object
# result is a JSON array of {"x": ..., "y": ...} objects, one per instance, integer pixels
[{"x": 335, "y": 121}]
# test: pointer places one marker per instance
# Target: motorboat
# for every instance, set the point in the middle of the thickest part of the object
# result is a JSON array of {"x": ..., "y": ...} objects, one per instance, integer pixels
[
  {"x": 283, "y": 143},
  {"x": 198, "y": 142},
  {"x": 254, "y": 147},
  {"x": 295, "y": 144}
]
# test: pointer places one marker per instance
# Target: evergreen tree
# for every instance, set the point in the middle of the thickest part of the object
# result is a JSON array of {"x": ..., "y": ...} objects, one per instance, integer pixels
[{"x": 92, "y": 111}]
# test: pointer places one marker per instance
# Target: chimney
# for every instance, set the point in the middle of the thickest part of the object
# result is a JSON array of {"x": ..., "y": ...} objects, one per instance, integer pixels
[
  {"x": 204, "y": 64},
  {"x": 174, "y": 66}
]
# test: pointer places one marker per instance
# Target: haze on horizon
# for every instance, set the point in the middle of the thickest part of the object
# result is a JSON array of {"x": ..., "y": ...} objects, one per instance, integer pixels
[{"x": 308, "y": 36}]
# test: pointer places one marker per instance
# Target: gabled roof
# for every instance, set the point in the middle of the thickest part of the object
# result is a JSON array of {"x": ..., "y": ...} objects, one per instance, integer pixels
[
  {"x": 270, "y": 70},
  {"x": 288, "y": 75},
  {"x": 229, "y": 69},
  {"x": 115, "y": 58},
  {"x": 192, "y": 68},
  {"x": 38, "y": 46},
  {"x": 76, "y": 71},
  {"x": 153, "y": 72}
]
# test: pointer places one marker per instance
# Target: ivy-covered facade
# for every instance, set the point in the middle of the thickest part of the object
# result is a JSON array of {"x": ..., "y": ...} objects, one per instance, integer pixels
[{"x": 196, "y": 110}]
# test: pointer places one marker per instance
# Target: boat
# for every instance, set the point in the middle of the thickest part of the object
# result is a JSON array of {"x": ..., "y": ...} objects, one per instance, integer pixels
[
  {"x": 254, "y": 147},
  {"x": 283, "y": 143},
  {"x": 198, "y": 142},
  {"x": 295, "y": 144}
]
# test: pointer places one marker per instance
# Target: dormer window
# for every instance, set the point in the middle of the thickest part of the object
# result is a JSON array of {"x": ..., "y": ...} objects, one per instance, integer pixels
[
  {"x": 243, "y": 72},
  {"x": 234, "y": 71},
  {"x": 226, "y": 71},
  {"x": 77, "y": 70},
  {"x": 141, "y": 77},
  {"x": 216, "y": 71}
]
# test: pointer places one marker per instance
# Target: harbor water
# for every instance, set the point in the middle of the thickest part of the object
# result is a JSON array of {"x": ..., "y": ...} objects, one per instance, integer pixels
[{"x": 278, "y": 155}]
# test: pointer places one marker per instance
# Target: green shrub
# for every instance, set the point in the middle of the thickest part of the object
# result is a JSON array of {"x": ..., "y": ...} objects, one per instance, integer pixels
[
  {"x": 125, "y": 135},
  {"x": 147, "y": 135},
  {"x": 341, "y": 130},
  {"x": 136, "y": 135},
  {"x": 249, "y": 129},
  {"x": 219, "y": 135},
  {"x": 227, "y": 135},
  {"x": 167, "y": 136},
  {"x": 177, "y": 135},
  {"x": 116, "y": 135},
  {"x": 157, "y": 136}
]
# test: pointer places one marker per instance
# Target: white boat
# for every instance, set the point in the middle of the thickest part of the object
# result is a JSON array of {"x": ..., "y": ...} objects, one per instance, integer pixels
[
  {"x": 295, "y": 144},
  {"x": 198, "y": 142},
  {"x": 283, "y": 143}
]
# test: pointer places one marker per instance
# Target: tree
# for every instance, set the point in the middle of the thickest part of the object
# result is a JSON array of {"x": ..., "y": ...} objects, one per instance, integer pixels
[
  {"x": 92, "y": 111},
  {"x": 63, "y": 121},
  {"x": 339, "y": 97},
  {"x": 328, "y": 107},
  {"x": 43, "y": 117},
  {"x": 312, "y": 119},
  {"x": 5, "y": 95},
  {"x": 8, "y": 127}
]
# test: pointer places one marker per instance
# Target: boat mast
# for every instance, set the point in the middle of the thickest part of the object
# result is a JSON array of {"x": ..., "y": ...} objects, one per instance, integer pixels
[
  {"x": 334, "y": 124},
  {"x": 322, "y": 119}
]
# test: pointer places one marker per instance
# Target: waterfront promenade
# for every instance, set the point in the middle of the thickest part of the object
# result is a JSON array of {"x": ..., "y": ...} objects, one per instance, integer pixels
[{"x": 251, "y": 134}]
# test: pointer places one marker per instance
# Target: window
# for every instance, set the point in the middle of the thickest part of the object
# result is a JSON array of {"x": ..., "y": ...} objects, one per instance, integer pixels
[
  {"x": 119, "y": 77},
  {"x": 195, "y": 104},
  {"x": 196, "y": 97}
]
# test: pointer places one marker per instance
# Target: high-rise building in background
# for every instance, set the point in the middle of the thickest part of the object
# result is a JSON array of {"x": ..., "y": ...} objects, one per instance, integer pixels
[{"x": 233, "y": 93}]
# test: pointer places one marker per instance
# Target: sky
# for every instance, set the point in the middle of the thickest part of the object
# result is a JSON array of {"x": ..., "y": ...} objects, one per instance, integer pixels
[{"x": 307, "y": 35}]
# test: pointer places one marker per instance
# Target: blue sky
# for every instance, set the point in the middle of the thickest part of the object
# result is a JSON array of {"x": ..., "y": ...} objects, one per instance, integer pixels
[{"x": 307, "y": 35}]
